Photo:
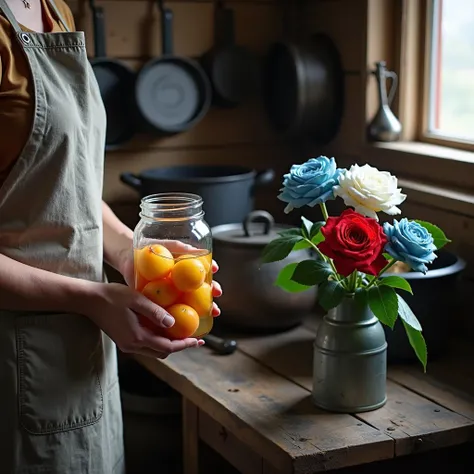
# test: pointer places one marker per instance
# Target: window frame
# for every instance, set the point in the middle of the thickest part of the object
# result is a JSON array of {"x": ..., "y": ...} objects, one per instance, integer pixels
[
  {"x": 423, "y": 133},
  {"x": 436, "y": 173}
]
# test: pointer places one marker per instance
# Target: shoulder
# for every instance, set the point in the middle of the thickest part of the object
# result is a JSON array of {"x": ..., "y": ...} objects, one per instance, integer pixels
[{"x": 65, "y": 11}]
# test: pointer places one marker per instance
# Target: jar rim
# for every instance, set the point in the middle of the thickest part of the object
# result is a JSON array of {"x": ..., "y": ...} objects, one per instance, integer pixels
[
  {"x": 166, "y": 199},
  {"x": 172, "y": 206}
]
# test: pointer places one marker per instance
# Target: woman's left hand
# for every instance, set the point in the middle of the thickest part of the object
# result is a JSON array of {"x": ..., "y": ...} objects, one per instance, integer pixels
[{"x": 174, "y": 246}]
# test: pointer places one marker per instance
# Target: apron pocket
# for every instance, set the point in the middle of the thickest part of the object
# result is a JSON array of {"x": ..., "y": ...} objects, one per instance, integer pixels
[{"x": 58, "y": 378}]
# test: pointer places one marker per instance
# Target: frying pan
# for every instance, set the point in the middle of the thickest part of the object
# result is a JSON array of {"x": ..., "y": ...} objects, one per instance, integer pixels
[
  {"x": 303, "y": 88},
  {"x": 172, "y": 93},
  {"x": 116, "y": 81},
  {"x": 232, "y": 69}
]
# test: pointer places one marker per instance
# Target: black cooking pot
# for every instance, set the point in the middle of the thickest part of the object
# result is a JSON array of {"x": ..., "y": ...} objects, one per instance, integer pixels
[
  {"x": 436, "y": 296},
  {"x": 227, "y": 191}
]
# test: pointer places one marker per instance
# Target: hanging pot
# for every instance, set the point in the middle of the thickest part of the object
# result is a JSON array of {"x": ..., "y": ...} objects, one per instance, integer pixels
[
  {"x": 227, "y": 191},
  {"x": 232, "y": 69},
  {"x": 251, "y": 300},
  {"x": 172, "y": 93},
  {"x": 116, "y": 82},
  {"x": 303, "y": 88}
]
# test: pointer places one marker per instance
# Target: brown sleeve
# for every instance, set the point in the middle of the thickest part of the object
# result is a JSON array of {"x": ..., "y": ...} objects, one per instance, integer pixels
[{"x": 66, "y": 13}]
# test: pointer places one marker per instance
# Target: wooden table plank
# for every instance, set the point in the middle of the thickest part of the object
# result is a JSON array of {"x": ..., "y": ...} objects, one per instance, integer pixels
[
  {"x": 269, "y": 413},
  {"x": 414, "y": 422}
]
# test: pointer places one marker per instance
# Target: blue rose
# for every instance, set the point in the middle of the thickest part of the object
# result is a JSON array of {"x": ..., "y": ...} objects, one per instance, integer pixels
[
  {"x": 410, "y": 243},
  {"x": 310, "y": 184}
]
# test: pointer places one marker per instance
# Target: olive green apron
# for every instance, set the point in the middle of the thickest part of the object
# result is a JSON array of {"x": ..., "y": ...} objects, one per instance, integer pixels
[{"x": 60, "y": 409}]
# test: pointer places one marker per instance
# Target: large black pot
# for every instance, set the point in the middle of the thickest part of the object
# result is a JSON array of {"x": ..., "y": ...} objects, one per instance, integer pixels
[
  {"x": 434, "y": 302},
  {"x": 227, "y": 191}
]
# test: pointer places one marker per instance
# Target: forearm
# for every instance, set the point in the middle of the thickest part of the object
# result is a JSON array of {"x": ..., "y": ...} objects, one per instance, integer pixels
[
  {"x": 25, "y": 288},
  {"x": 118, "y": 238}
]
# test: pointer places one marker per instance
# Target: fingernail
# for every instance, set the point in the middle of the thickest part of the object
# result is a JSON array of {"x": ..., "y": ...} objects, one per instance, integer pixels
[
  {"x": 168, "y": 321},
  {"x": 201, "y": 342}
]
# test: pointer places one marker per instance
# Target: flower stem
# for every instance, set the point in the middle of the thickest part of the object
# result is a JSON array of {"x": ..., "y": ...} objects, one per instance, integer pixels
[
  {"x": 353, "y": 281},
  {"x": 331, "y": 263},
  {"x": 381, "y": 272},
  {"x": 324, "y": 211}
]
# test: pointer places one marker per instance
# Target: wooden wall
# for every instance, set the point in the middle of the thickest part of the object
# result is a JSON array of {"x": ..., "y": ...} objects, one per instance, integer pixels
[{"x": 226, "y": 136}]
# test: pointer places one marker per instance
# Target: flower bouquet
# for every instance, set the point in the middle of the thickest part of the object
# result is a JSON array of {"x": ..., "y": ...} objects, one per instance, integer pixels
[{"x": 354, "y": 252}]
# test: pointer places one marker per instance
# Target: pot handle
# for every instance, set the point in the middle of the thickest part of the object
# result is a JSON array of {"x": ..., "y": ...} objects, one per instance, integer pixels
[
  {"x": 131, "y": 180},
  {"x": 258, "y": 216},
  {"x": 264, "y": 177}
]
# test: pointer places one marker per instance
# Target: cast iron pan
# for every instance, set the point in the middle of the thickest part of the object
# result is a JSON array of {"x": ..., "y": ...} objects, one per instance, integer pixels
[
  {"x": 303, "y": 88},
  {"x": 232, "y": 69},
  {"x": 172, "y": 93},
  {"x": 116, "y": 82}
]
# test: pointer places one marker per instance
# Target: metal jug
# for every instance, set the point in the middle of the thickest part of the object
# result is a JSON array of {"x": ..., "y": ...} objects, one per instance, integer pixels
[{"x": 385, "y": 127}]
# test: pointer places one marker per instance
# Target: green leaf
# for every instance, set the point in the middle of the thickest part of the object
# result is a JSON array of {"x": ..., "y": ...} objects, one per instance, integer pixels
[
  {"x": 279, "y": 249},
  {"x": 315, "y": 229},
  {"x": 396, "y": 282},
  {"x": 407, "y": 314},
  {"x": 384, "y": 304},
  {"x": 417, "y": 342},
  {"x": 285, "y": 282},
  {"x": 318, "y": 238},
  {"x": 330, "y": 294},
  {"x": 306, "y": 227},
  {"x": 311, "y": 272},
  {"x": 290, "y": 233},
  {"x": 302, "y": 244},
  {"x": 439, "y": 237},
  {"x": 387, "y": 256}
]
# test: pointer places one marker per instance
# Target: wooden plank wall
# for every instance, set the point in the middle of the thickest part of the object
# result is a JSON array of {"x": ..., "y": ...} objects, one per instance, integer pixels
[{"x": 226, "y": 136}]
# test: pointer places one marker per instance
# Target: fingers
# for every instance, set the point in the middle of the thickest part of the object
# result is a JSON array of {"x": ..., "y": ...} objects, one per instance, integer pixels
[
  {"x": 216, "y": 289},
  {"x": 215, "y": 310},
  {"x": 145, "y": 307},
  {"x": 215, "y": 267},
  {"x": 161, "y": 345}
]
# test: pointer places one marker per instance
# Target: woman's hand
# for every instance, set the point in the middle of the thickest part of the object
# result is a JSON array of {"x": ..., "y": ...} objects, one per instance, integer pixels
[
  {"x": 114, "y": 308},
  {"x": 126, "y": 267}
]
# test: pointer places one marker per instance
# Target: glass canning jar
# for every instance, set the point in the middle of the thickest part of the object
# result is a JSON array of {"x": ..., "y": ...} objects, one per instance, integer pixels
[{"x": 172, "y": 261}]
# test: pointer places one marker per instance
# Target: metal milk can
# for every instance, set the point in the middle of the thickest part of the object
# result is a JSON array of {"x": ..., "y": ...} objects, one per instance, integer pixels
[{"x": 350, "y": 360}]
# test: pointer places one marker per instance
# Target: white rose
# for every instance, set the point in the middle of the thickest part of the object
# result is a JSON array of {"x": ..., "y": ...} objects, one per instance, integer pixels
[{"x": 369, "y": 191}]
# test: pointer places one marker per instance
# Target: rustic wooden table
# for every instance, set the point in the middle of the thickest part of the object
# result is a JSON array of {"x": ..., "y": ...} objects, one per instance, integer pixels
[{"x": 254, "y": 408}]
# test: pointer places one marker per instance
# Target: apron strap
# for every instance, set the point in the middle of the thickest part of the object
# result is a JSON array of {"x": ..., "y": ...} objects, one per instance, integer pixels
[
  {"x": 59, "y": 17},
  {"x": 11, "y": 17}
]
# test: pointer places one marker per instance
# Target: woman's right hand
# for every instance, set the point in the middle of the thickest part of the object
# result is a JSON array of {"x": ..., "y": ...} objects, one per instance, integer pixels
[{"x": 114, "y": 308}]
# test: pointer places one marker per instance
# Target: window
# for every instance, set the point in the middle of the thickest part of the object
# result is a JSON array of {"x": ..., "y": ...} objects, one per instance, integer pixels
[{"x": 449, "y": 74}]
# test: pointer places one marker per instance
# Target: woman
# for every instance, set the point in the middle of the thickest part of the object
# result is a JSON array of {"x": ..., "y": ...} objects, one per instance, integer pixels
[{"x": 59, "y": 397}]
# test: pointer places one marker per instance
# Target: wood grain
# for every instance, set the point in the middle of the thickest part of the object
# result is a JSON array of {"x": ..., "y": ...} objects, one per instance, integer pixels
[
  {"x": 415, "y": 423},
  {"x": 270, "y": 413}
]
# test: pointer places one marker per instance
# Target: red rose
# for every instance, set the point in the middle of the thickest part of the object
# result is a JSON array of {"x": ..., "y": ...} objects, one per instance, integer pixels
[{"x": 354, "y": 242}]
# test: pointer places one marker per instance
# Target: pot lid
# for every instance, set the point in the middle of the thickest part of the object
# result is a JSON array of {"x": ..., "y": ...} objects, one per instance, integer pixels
[{"x": 257, "y": 230}]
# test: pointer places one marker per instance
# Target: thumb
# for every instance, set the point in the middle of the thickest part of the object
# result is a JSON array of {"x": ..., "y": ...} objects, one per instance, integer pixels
[{"x": 159, "y": 316}]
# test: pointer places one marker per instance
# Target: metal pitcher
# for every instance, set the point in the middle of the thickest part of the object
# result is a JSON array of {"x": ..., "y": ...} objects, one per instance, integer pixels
[
  {"x": 350, "y": 360},
  {"x": 385, "y": 127}
]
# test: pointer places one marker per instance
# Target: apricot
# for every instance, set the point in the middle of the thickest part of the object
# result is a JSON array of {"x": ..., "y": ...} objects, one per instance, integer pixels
[
  {"x": 161, "y": 292},
  {"x": 154, "y": 262},
  {"x": 186, "y": 321},
  {"x": 200, "y": 299},
  {"x": 188, "y": 274}
]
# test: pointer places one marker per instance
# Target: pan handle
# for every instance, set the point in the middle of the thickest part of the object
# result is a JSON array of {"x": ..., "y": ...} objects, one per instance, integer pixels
[
  {"x": 131, "y": 180},
  {"x": 224, "y": 25},
  {"x": 99, "y": 29},
  {"x": 166, "y": 29}
]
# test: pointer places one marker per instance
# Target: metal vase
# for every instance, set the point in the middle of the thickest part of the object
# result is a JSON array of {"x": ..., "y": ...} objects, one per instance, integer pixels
[{"x": 350, "y": 360}]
